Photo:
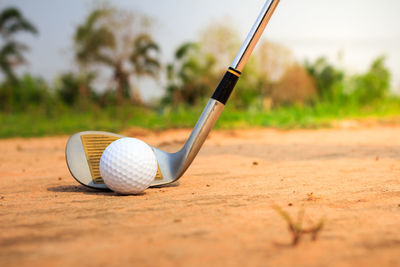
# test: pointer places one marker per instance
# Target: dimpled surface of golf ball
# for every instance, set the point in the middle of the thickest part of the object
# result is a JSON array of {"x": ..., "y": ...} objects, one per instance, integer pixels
[{"x": 128, "y": 166}]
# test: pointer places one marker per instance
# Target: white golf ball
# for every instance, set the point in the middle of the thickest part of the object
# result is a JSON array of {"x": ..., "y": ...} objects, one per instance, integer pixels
[{"x": 128, "y": 166}]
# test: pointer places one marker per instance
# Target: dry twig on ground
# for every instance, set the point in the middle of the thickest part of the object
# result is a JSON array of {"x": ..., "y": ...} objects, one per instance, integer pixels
[{"x": 296, "y": 228}]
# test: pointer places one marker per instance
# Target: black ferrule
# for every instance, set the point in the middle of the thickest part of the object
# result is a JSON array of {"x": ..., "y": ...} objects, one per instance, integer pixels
[{"x": 226, "y": 86}]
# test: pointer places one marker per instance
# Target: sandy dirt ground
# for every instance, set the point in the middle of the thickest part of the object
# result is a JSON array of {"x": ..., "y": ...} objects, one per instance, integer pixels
[{"x": 221, "y": 212}]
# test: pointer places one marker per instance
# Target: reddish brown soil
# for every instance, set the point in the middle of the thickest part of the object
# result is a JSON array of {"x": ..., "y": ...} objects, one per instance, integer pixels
[{"x": 221, "y": 212}]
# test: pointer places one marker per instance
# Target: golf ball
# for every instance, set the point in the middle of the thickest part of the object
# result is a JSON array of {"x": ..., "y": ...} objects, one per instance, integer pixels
[{"x": 128, "y": 166}]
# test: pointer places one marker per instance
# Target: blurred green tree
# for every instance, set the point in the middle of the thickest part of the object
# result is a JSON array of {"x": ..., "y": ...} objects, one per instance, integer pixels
[
  {"x": 198, "y": 67},
  {"x": 328, "y": 79},
  {"x": 334, "y": 86},
  {"x": 189, "y": 76},
  {"x": 69, "y": 88},
  {"x": 27, "y": 93},
  {"x": 374, "y": 84},
  {"x": 118, "y": 40},
  {"x": 12, "y": 22}
]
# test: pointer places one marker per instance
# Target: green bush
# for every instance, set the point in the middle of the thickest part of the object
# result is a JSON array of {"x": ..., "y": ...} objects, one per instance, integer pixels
[
  {"x": 25, "y": 94},
  {"x": 374, "y": 84}
]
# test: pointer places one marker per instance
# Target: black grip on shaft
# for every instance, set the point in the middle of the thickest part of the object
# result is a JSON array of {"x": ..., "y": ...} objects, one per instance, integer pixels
[{"x": 225, "y": 87}]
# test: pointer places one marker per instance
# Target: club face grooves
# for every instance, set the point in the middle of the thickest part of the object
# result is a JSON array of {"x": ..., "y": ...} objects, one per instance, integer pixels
[
  {"x": 159, "y": 176},
  {"x": 94, "y": 146},
  {"x": 83, "y": 153}
]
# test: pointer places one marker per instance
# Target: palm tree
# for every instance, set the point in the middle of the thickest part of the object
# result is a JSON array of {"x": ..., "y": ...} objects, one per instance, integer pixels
[
  {"x": 107, "y": 39},
  {"x": 191, "y": 76},
  {"x": 11, "y": 52},
  {"x": 89, "y": 40},
  {"x": 142, "y": 59}
]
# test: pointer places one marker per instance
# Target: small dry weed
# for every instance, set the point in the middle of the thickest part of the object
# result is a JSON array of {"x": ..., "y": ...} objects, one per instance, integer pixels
[{"x": 296, "y": 227}]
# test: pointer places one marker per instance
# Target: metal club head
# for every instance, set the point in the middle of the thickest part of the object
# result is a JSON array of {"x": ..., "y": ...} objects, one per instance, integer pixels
[
  {"x": 83, "y": 153},
  {"x": 84, "y": 150}
]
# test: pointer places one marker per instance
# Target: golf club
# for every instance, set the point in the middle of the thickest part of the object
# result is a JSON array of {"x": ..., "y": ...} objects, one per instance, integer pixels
[{"x": 84, "y": 149}]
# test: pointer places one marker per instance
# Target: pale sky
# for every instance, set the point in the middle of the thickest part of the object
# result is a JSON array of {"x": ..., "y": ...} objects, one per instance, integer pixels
[{"x": 360, "y": 29}]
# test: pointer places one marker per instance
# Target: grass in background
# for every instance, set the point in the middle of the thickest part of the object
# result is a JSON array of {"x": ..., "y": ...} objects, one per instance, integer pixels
[
  {"x": 116, "y": 119},
  {"x": 319, "y": 115}
]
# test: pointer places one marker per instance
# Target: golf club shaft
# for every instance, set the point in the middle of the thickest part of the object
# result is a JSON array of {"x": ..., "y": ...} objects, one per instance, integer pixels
[
  {"x": 231, "y": 77},
  {"x": 218, "y": 100},
  {"x": 254, "y": 35}
]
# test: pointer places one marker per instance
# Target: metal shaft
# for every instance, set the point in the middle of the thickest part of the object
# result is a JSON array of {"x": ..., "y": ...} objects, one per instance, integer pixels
[{"x": 248, "y": 46}]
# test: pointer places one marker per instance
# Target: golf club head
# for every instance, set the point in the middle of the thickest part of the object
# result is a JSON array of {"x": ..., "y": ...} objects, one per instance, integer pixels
[
  {"x": 83, "y": 153},
  {"x": 84, "y": 150}
]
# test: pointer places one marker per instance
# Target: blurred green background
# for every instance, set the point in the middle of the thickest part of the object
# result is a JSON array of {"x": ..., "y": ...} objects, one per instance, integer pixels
[{"x": 115, "y": 58}]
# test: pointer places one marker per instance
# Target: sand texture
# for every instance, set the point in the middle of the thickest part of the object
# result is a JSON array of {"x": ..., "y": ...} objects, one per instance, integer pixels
[{"x": 221, "y": 212}]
